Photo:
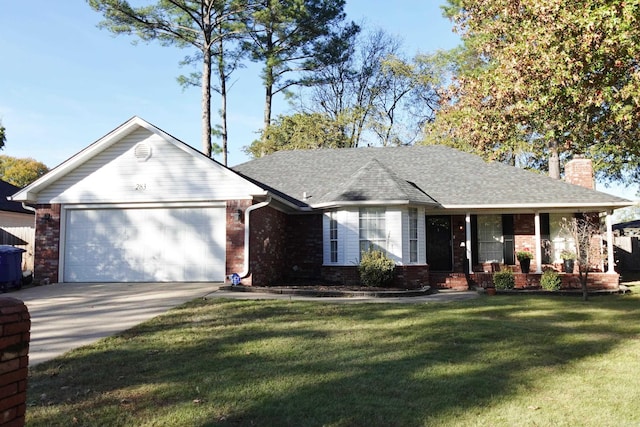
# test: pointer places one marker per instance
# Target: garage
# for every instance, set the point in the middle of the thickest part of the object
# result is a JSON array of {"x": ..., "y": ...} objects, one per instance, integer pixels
[
  {"x": 139, "y": 205},
  {"x": 150, "y": 244}
]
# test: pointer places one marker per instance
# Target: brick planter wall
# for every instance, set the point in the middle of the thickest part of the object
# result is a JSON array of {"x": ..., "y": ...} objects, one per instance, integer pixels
[
  {"x": 15, "y": 325},
  {"x": 47, "y": 244},
  {"x": 596, "y": 281},
  {"x": 407, "y": 276}
]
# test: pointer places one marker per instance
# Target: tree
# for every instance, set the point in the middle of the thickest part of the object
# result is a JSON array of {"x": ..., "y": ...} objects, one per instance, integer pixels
[
  {"x": 299, "y": 131},
  {"x": 548, "y": 78},
  {"x": 585, "y": 232},
  {"x": 294, "y": 36},
  {"x": 21, "y": 171},
  {"x": 227, "y": 56},
  {"x": 374, "y": 90},
  {"x": 3, "y": 136},
  {"x": 201, "y": 24}
]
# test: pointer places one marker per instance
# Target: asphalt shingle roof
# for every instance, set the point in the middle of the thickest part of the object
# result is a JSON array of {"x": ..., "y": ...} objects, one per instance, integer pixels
[
  {"x": 6, "y": 190},
  {"x": 420, "y": 174}
]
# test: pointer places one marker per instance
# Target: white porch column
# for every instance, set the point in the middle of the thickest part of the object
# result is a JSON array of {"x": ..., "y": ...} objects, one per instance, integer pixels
[
  {"x": 538, "y": 243},
  {"x": 467, "y": 222},
  {"x": 610, "y": 260}
]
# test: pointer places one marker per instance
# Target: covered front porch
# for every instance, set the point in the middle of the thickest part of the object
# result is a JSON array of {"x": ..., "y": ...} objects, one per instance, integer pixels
[{"x": 483, "y": 242}]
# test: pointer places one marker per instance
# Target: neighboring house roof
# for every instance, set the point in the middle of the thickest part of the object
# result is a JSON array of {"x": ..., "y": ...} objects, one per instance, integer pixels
[
  {"x": 428, "y": 175},
  {"x": 629, "y": 228},
  {"x": 7, "y": 190}
]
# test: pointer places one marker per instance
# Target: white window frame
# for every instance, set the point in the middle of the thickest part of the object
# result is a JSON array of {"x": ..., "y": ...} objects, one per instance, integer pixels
[
  {"x": 490, "y": 238},
  {"x": 413, "y": 235},
  {"x": 333, "y": 237},
  {"x": 372, "y": 229}
]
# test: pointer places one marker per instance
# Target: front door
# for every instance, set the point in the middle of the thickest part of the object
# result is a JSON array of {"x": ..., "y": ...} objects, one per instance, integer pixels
[{"x": 439, "y": 250}]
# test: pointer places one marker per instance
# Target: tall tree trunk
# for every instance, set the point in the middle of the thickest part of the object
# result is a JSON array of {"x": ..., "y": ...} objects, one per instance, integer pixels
[
  {"x": 206, "y": 102},
  {"x": 554, "y": 160},
  {"x": 267, "y": 101},
  {"x": 223, "y": 100}
]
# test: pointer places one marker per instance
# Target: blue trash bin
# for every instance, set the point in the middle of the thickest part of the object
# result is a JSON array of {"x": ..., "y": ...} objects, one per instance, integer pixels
[{"x": 10, "y": 267}]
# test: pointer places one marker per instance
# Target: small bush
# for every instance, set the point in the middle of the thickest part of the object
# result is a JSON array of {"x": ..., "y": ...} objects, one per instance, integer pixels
[
  {"x": 550, "y": 281},
  {"x": 504, "y": 280},
  {"x": 376, "y": 269}
]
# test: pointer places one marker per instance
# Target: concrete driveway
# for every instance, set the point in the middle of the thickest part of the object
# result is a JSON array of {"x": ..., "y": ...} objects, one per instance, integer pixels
[{"x": 70, "y": 315}]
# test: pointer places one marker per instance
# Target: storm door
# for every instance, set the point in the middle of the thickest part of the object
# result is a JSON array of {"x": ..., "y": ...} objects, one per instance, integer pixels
[{"x": 439, "y": 250}]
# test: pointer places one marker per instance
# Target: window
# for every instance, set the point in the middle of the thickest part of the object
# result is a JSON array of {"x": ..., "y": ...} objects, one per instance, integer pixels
[
  {"x": 333, "y": 236},
  {"x": 490, "y": 238},
  {"x": 413, "y": 235},
  {"x": 372, "y": 229}
]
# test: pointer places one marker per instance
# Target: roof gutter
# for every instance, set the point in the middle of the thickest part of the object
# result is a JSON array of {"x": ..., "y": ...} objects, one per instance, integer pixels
[{"x": 247, "y": 229}]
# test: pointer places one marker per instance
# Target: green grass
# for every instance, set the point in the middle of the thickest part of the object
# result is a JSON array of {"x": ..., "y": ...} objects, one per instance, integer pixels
[{"x": 494, "y": 361}]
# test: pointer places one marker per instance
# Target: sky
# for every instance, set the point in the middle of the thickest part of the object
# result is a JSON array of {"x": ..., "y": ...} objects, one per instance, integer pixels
[{"x": 64, "y": 83}]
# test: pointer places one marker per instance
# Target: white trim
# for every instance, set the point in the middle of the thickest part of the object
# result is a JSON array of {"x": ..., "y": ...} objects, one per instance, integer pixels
[
  {"x": 467, "y": 223},
  {"x": 62, "y": 241},
  {"x": 538, "y": 237},
  {"x": 146, "y": 205},
  {"x": 520, "y": 206},
  {"x": 610, "y": 259}
]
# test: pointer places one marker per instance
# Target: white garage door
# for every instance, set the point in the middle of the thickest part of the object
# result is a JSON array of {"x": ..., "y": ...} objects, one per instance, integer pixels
[{"x": 145, "y": 245}]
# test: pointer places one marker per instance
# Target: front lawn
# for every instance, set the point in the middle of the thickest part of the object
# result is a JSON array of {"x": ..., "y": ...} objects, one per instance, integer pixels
[{"x": 493, "y": 361}]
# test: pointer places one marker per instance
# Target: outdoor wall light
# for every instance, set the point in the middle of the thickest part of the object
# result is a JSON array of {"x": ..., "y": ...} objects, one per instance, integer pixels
[
  {"x": 47, "y": 217},
  {"x": 237, "y": 215}
]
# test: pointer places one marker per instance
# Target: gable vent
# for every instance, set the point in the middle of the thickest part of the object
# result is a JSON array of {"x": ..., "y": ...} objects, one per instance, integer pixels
[{"x": 142, "y": 151}]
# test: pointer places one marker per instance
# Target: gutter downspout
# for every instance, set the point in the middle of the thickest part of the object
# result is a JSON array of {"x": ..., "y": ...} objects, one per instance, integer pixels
[
  {"x": 247, "y": 216},
  {"x": 28, "y": 208}
]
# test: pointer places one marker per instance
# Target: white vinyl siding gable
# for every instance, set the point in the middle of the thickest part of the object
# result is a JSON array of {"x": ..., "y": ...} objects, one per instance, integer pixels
[{"x": 115, "y": 175}]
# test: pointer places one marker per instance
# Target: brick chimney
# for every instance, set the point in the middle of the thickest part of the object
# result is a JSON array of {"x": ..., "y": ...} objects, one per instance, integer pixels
[{"x": 579, "y": 171}]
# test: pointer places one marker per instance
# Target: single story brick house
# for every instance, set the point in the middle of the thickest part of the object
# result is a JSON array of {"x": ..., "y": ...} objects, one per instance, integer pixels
[{"x": 138, "y": 205}]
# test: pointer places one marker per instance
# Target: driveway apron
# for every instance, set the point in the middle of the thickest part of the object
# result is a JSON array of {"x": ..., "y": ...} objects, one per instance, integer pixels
[{"x": 70, "y": 315}]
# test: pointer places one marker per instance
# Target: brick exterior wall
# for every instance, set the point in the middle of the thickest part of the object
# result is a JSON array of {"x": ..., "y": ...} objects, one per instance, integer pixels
[
  {"x": 234, "y": 262},
  {"x": 14, "y": 359},
  {"x": 524, "y": 230},
  {"x": 267, "y": 250},
  {"x": 47, "y": 244},
  {"x": 579, "y": 171},
  {"x": 304, "y": 247}
]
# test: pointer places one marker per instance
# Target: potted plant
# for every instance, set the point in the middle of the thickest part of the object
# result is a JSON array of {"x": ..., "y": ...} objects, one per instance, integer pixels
[
  {"x": 524, "y": 258},
  {"x": 569, "y": 258}
]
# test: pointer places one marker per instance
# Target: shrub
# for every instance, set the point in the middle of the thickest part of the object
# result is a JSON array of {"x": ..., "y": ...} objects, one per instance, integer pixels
[
  {"x": 376, "y": 268},
  {"x": 550, "y": 281},
  {"x": 504, "y": 279}
]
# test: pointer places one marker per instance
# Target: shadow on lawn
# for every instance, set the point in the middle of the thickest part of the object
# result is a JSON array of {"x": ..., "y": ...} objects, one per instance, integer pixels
[{"x": 281, "y": 363}]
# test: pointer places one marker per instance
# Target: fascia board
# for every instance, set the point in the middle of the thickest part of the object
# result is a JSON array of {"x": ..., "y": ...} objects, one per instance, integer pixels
[{"x": 540, "y": 206}]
